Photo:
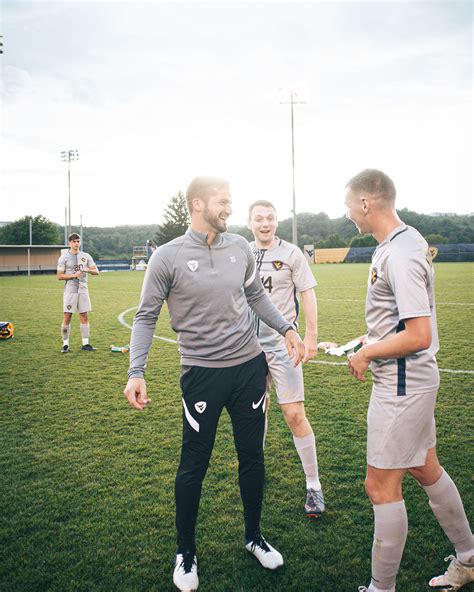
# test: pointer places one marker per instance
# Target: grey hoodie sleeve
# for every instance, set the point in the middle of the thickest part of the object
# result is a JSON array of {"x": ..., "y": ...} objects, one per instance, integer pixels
[
  {"x": 259, "y": 301},
  {"x": 154, "y": 291}
]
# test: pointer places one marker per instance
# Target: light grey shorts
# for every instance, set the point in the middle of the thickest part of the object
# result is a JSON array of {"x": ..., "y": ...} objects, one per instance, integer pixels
[
  {"x": 400, "y": 430},
  {"x": 287, "y": 379},
  {"x": 78, "y": 302}
]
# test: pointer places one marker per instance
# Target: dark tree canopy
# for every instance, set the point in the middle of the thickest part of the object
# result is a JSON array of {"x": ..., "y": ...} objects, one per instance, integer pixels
[{"x": 44, "y": 232}]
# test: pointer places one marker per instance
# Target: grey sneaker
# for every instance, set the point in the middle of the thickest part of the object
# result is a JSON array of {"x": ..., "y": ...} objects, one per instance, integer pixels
[
  {"x": 454, "y": 577},
  {"x": 314, "y": 505}
]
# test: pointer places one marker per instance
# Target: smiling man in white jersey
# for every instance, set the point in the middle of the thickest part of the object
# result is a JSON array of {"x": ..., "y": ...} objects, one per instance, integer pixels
[
  {"x": 285, "y": 273},
  {"x": 73, "y": 268},
  {"x": 401, "y": 348}
]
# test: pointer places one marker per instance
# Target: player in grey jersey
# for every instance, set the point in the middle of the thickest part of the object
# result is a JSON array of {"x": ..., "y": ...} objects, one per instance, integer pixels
[
  {"x": 73, "y": 268},
  {"x": 401, "y": 349},
  {"x": 285, "y": 272},
  {"x": 208, "y": 279}
]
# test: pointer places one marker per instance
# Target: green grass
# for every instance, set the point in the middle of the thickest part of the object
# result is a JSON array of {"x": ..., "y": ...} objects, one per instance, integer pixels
[{"x": 87, "y": 482}]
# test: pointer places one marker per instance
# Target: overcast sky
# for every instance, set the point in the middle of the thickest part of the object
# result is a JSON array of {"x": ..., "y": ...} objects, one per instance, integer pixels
[{"x": 153, "y": 94}]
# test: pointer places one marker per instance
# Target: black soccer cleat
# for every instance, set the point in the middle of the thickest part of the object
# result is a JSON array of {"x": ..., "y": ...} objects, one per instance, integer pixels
[
  {"x": 88, "y": 347},
  {"x": 65, "y": 349}
]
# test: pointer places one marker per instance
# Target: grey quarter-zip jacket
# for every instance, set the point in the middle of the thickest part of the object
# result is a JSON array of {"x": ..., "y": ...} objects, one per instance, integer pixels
[{"x": 211, "y": 291}]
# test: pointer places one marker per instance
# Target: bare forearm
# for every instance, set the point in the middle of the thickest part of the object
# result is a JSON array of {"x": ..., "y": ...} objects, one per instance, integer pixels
[
  {"x": 415, "y": 337},
  {"x": 310, "y": 308}
]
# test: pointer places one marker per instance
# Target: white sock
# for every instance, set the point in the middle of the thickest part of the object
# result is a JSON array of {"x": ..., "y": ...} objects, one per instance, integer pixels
[
  {"x": 446, "y": 504},
  {"x": 306, "y": 448},
  {"x": 65, "y": 332},
  {"x": 390, "y": 534},
  {"x": 85, "y": 333}
]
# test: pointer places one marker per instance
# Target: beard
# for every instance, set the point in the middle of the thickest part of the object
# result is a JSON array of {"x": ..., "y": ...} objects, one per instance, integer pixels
[{"x": 218, "y": 224}]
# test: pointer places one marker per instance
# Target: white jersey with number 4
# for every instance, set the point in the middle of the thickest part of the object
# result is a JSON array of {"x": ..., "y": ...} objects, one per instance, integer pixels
[{"x": 284, "y": 272}]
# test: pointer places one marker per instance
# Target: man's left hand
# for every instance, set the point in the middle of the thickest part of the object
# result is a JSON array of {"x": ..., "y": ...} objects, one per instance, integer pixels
[
  {"x": 294, "y": 346},
  {"x": 310, "y": 348},
  {"x": 358, "y": 364}
]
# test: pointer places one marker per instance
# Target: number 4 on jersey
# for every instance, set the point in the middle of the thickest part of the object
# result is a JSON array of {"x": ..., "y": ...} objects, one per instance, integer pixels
[{"x": 267, "y": 283}]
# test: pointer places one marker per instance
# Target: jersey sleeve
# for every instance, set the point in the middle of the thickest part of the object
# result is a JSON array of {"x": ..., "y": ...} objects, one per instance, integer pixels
[
  {"x": 90, "y": 261},
  {"x": 406, "y": 274},
  {"x": 61, "y": 264},
  {"x": 302, "y": 275},
  {"x": 155, "y": 290}
]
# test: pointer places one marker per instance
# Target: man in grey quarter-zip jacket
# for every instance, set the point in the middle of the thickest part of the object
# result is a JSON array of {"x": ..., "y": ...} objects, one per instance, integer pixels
[{"x": 208, "y": 279}]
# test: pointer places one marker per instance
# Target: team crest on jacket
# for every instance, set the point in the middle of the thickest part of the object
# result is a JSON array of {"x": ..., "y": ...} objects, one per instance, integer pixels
[
  {"x": 373, "y": 275},
  {"x": 193, "y": 265},
  {"x": 277, "y": 265},
  {"x": 200, "y": 406}
]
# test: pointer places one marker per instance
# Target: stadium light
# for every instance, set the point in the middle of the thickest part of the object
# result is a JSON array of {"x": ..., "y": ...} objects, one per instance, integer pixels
[
  {"x": 293, "y": 102},
  {"x": 67, "y": 156}
]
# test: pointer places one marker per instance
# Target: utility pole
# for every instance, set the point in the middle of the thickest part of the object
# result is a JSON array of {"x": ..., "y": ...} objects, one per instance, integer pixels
[
  {"x": 293, "y": 102},
  {"x": 67, "y": 156}
]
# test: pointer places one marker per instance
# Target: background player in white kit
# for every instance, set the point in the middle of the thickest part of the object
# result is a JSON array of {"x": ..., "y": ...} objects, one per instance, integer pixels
[
  {"x": 401, "y": 349},
  {"x": 285, "y": 272},
  {"x": 73, "y": 268}
]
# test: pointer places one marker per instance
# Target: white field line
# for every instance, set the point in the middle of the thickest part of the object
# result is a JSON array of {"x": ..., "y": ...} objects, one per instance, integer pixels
[{"x": 123, "y": 322}]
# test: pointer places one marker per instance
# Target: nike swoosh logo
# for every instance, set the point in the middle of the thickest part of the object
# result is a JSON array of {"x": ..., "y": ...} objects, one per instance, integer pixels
[{"x": 255, "y": 405}]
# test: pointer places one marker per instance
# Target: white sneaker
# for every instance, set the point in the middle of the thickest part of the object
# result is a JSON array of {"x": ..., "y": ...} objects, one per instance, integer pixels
[
  {"x": 185, "y": 575},
  {"x": 455, "y": 576},
  {"x": 265, "y": 553}
]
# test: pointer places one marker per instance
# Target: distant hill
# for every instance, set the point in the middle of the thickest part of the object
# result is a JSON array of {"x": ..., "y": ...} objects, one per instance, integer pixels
[{"x": 318, "y": 229}]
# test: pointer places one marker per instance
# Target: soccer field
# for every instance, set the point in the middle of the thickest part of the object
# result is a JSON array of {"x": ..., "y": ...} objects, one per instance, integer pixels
[{"x": 87, "y": 482}]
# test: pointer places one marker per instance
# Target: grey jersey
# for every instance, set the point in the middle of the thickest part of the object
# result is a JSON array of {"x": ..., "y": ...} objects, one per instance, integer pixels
[
  {"x": 284, "y": 272},
  {"x": 401, "y": 286},
  {"x": 208, "y": 289},
  {"x": 70, "y": 264}
]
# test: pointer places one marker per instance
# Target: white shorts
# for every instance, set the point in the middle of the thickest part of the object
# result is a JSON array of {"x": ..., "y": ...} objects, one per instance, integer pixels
[
  {"x": 78, "y": 302},
  {"x": 287, "y": 379},
  {"x": 400, "y": 430}
]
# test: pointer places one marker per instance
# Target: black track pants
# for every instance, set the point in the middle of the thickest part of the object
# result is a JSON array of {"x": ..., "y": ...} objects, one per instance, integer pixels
[{"x": 206, "y": 391}]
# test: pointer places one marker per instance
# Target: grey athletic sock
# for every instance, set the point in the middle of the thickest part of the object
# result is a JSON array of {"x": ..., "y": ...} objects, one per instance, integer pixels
[
  {"x": 65, "y": 332},
  {"x": 306, "y": 448},
  {"x": 447, "y": 506},
  {"x": 85, "y": 333},
  {"x": 390, "y": 534}
]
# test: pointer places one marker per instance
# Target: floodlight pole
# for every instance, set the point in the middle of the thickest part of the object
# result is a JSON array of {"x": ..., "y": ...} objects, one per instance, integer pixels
[
  {"x": 293, "y": 102},
  {"x": 67, "y": 156}
]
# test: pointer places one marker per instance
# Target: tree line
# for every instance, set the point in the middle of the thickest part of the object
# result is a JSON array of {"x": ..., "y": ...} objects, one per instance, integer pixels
[{"x": 117, "y": 242}]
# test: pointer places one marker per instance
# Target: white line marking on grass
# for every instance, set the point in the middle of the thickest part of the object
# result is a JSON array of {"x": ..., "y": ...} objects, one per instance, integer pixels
[{"x": 123, "y": 322}]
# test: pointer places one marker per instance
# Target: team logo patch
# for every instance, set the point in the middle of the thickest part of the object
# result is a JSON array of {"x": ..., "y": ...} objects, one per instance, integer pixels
[
  {"x": 200, "y": 406},
  {"x": 193, "y": 265},
  {"x": 69, "y": 306},
  {"x": 83, "y": 259},
  {"x": 277, "y": 265},
  {"x": 232, "y": 259},
  {"x": 373, "y": 275}
]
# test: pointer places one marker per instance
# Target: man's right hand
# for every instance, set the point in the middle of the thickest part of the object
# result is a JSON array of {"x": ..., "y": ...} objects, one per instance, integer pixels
[{"x": 135, "y": 391}]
